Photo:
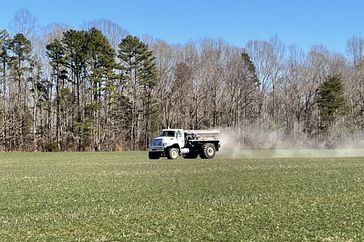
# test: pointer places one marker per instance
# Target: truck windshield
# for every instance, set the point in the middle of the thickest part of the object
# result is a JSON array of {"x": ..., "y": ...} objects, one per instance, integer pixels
[{"x": 168, "y": 133}]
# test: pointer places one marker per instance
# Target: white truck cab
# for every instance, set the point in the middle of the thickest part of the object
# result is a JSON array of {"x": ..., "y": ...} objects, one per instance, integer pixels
[
  {"x": 189, "y": 144},
  {"x": 168, "y": 138}
]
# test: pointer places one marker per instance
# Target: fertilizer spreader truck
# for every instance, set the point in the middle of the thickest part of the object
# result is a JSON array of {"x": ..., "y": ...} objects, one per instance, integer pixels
[{"x": 174, "y": 142}]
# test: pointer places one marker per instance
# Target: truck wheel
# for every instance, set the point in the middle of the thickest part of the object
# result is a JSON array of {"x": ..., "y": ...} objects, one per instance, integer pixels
[
  {"x": 154, "y": 155},
  {"x": 172, "y": 153},
  {"x": 207, "y": 151},
  {"x": 191, "y": 155}
]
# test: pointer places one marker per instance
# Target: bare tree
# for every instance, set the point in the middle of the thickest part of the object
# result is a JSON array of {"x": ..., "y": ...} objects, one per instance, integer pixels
[
  {"x": 24, "y": 22},
  {"x": 113, "y": 32},
  {"x": 355, "y": 49},
  {"x": 267, "y": 57}
]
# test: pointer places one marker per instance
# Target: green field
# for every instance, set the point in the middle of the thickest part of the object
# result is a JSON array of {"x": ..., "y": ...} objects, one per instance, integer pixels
[{"x": 124, "y": 196}]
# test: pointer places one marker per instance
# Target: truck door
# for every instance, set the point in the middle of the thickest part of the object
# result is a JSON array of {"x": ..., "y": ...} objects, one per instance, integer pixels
[{"x": 180, "y": 139}]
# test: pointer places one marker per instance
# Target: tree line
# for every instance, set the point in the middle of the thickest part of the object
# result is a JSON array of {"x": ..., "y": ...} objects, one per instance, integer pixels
[{"x": 100, "y": 89}]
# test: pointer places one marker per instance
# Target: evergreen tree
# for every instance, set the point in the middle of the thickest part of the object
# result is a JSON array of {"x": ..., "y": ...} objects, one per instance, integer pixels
[
  {"x": 250, "y": 70},
  {"x": 75, "y": 46},
  {"x": 20, "y": 58},
  {"x": 4, "y": 62},
  {"x": 139, "y": 75},
  {"x": 101, "y": 62},
  {"x": 331, "y": 102},
  {"x": 39, "y": 90},
  {"x": 250, "y": 88},
  {"x": 56, "y": 54},
  {"x": 4, "y": 58}
]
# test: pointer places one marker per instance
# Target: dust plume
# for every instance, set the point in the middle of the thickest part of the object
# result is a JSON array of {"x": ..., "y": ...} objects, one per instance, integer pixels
[{"x": 264, "y": 142}]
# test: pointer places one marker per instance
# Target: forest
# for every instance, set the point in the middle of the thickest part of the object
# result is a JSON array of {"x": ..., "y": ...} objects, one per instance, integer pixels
[{"x": 99, "y": 88}]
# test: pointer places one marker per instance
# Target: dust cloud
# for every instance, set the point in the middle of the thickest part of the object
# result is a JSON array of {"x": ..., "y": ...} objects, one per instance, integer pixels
[{"x": 261, "y": 143}]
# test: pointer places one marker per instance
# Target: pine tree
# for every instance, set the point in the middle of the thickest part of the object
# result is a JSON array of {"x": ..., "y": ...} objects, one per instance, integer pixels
[
  {"x": 101, "y": 62},
  {"x": 75, "y": 46},
  {"x": 250, "y": 87},
  {"x": 331, "y": 102},
  {"x": 4, "y": 62},
  {"x": 39, "y": 90},
  {"x": 4, "y": 57},
  {"x": 20, "y": 56},
  {"x": 19, "y": 49},
  {"x": 139, "y": 75},
  {"x": 56, "y": 54}
]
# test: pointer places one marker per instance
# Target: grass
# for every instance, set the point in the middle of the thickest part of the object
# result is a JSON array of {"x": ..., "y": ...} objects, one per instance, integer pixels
[{"x": 124, "y": 196}]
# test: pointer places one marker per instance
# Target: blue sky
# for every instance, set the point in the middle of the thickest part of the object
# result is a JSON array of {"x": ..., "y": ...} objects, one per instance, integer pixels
[{"x": 304, "y": 23}]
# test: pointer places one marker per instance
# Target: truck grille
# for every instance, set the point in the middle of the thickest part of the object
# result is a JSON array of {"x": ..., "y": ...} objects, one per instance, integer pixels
[{"x": 157, "y": 142}]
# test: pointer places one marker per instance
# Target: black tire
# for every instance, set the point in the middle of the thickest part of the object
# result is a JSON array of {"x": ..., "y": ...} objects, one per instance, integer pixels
[
  {"x": 154, "y": 155},
  {"x": 191, "y": 155},
  {"x": 207, "y": 151},
  {"x": 172, "y": 153}
]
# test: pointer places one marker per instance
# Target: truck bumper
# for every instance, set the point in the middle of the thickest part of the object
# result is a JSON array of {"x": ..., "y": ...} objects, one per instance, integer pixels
[{"x": 156, "y": 149}]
